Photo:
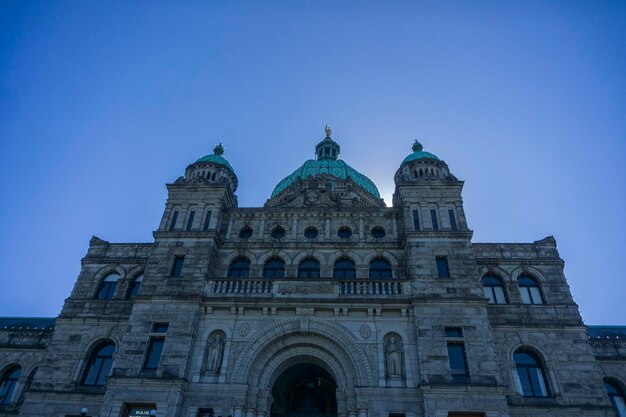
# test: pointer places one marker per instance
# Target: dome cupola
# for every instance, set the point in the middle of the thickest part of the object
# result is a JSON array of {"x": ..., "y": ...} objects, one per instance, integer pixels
[
  {"x": 213, "y": 168},
  {"x": 421, "y": 165},
  {"x": 328, "y": 148}
]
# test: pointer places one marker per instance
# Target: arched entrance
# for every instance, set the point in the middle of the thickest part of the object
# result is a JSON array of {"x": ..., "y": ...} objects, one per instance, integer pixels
[{"x": 304, "y": 390}]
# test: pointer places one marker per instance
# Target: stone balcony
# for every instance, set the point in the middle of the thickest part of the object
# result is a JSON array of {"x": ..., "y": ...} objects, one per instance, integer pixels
[{"x": 319, "y": 287}]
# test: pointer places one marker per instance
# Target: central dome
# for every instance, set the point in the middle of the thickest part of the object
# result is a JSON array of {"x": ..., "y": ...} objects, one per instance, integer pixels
[{"x": 328, "y": 164}]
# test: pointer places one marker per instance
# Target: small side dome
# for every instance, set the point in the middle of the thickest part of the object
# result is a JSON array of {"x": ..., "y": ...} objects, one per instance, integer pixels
[
  {"x": 212, "y": 169},
  {"x": 418, "y": 153},
  {"x": 217, "y": 157}
]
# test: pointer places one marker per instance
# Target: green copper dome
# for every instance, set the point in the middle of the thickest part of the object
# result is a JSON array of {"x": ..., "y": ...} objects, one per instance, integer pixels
[
  {"x": 418, "y": 153},
  {"x": 327, "y": 163},
  {"x": 217, "y": 157}
]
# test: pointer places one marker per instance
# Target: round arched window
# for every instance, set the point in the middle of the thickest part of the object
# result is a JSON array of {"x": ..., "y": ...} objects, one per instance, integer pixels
[
  {"x": 311, "y": 232},
  {"x": 378, "y": 232},
  {"x": 530, "y": 374},
  {"x": 380, "y": 268},
  {"x": 278, "y": 232},
  {"x": 239, "y": 268},
  {"x": 246, "y": 232},
  {"x": 107, "y": 287},
  {"x": 344, "y": 232},
  {"x": 274, "y": 268},
  {"x": 344, "y": 268}
]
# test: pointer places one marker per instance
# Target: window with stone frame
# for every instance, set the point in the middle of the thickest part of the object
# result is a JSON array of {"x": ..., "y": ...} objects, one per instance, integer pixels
[
  {"x": 274, "y": 268},
  {"x": 344, "y": 269},
  {"x": 107, "y": 288},
  {"x": 493, "y": 288},
  {"x": 99, "y": 365},
  {"x": 530, "y": 374},
  {"x": 239, "y": 268},
  {"x": 8, "y": 382},
  {"x": 529, "y": 288},
  {"x": 309, "y": 268}
]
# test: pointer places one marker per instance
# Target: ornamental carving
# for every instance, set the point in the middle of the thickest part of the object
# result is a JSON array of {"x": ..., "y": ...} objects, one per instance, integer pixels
[
  {"x": 365, "y": 331},
  {"x": 305, "y": 289},
  {"x": 244, "y": 329}
]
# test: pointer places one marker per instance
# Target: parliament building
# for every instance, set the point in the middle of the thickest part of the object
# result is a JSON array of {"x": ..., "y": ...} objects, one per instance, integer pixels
[{"x": 322, "y": 303}]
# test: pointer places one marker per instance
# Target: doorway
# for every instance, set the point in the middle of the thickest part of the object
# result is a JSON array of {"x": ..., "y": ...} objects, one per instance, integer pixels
[{"x": 304, "y": 390}]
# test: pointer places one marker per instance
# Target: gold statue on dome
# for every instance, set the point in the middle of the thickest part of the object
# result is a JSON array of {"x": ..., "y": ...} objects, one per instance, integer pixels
[{"x": 328, "y": 131}]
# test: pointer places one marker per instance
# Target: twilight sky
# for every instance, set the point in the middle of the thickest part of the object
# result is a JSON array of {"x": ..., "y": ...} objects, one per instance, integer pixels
[{"x": 102, "y": 103}]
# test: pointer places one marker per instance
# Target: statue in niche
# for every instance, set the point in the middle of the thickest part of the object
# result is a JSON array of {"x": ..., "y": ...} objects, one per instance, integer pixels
[
  {"x": 393, "y": 356},
  {"x": 215, "y": 350}
]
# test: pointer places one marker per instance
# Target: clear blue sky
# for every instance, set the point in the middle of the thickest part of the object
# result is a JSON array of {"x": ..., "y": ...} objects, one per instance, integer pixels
[{"x": 102, "y": 103}]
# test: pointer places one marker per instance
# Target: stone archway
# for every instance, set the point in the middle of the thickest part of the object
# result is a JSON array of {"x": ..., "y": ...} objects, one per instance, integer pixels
[{"x": 304, "y": 390}]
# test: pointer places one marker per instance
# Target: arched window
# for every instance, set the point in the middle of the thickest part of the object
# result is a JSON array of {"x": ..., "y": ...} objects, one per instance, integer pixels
[
  {"x": 99, "y": 365},
  {"x": 530, "y": 374},
  {"x": 309, "y": 268},
  {"x": 380, "y": 268},
  {"x": 494, "y": 289},
  {"x": 529, "y": 290},
  {"x": 29, "y": 382},
  {"x": 274, "y": 268},
  {"x": 8, "y": 383},
  {"x": 134, "y": 286},
  {"x": 107, "y": 287},
  {"x": 617, "y": 397},
  {"x": 239, "y": 268},
  {"x": 344, "y": 268}
]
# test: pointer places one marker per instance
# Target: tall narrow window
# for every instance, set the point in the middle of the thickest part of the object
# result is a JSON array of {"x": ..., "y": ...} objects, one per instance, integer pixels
[
  {"x": 344, "y": 268},
  {"x": 239, "y": 268},
  {"x": 134, "y": 286},
  {"x": 493, "y": 289},
  {"x": 416, "y": 219},
  {"x": 457, "y": 357},
  {"x": 529, "y": 290},
  {"x": 309, "y": 268},
  {"x": 380, "y": 268},
  {"x": 155, "y": 347},
  {"x": 443, "y": 269},
  {"x": 99, "y": 365},
  {"x": 174, "y": 219},
  {"x": 8, "y": 383},
  {"x": 107, "y": 287},
  {"x": 530, "y": 374},
  {"x": 274, "y": 268},
  {"x": 177, "y": 266},
  {"x": 452, "y": 220},
  {"x": 192, "y": 214},
  {"x": 207, "y": 221},
  {"x": 617, "y": 397},
  {"x": 433, "y": 218}
]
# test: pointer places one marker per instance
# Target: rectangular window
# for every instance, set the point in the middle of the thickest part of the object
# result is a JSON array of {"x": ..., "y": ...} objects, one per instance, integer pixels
[
  {"x": 207, "y": 220},
  {"x": 495, "y": 294},
  {"x": 177, "y": 266},
  {"x": 190, "y": 220},
  {"x": 153, "y": 355},
  {"x": 174, "y": 219},
  {"x": 160, "y": 327},
  {"x": 433, "y": 218},
  {"x": 443, "y": 270},
  {"x": 452, "y": 220},
  {"x": 458, "y": 361},
  {"x": 205, "y": 412},
  {"x": 454, "y": 332},
  {"x": 416, "y": 219}
]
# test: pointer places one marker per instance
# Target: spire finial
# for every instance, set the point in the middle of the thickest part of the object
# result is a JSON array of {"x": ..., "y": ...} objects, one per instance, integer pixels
[
  {"x": 219, "y": 149},
  {"x": 328, "y": 131},
  {"x": 417, "y": 147}
]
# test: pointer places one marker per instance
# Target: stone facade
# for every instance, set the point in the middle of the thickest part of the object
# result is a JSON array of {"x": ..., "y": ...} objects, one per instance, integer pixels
[{"x": 373, "y": 340}]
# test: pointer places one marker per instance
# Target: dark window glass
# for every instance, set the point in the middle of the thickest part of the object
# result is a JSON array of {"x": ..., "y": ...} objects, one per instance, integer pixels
[
  {"x": 278, "y": 233},
  {"x": 380, "y": 268},
  {"x": 494, "y": 289},
  {"x": 107, "y": 287},
  {"x": 311, "y": 233},
  {"x": 245, "y": 232},
  {"x": 190, "y": 219},
  {"x": 240, "y": 268},
  {"x": 134, "y": 286},
  {"x": 177, "y": 266},
  {"x": 344, "y": 232},
  {"x": 458, "y": 360},
  {"x": 454, "y": 332},
  {"x": 617, "y": 398},
  {"x": 452, "y": 219},
  {"x": 274, "y": 268},
  {"x": 529, "y": 290},
  {"x": 174, "y": 219},
  {"x": 443, "y": 270},
  {"x": 8, "y": 382},
  {"x": 530, "y": 374},
  {"x": 207, "y": 221},
  {"x": 433, "y": 218},
  {"x": 153, "y": 355},
  {"x": 378, "y": 232},
  {"x": 160, "y": 327},
  {"x": 205, "y": 412},
  {"x": 344, "y": 268},
  {"x": 309, "y": 268},
  {"x": 99, "y": 365},
  {"x": 416, "y": 219}
]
